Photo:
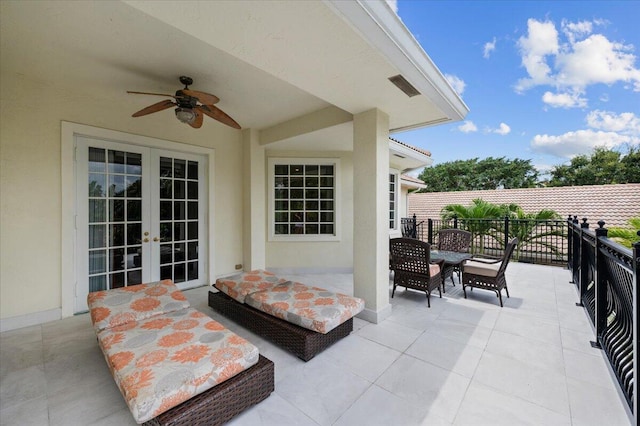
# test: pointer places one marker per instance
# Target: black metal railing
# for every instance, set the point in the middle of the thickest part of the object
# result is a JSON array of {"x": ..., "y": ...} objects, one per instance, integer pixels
[
  {"x": 608, "y": 277},
  {"x": 411, "y": 228},
  {"x": 541, "y": 241}
]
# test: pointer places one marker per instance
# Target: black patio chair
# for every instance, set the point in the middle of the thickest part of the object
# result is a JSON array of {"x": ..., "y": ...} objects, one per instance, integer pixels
[
  {"x": 412, "y": 268},
  {"x": 488, "y": 273},
  {"x": 456, "y": 240}
]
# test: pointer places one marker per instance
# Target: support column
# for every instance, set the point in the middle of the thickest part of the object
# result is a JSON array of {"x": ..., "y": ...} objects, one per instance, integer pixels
[
  {"x": 254, "y": 202},
  {"x": 371, "y": 213}
]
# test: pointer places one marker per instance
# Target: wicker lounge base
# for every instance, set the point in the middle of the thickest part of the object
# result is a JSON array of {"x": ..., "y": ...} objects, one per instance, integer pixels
[
  {"x": 303, "y": 343},
  {"x": 221, "y": 403}
]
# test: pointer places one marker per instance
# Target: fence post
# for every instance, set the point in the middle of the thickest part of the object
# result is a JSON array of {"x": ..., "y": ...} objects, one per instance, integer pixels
[
  {"x": 414, "y": 228},
  {"x": 570, "y": 246},
  {"x": 635, "y": 262},
  {"x": 601, "y": 286},
  {"x": 455, "y": 221},
  {"x": 506, "y": 231},
  {"x": 584, "y": 265},
  {"x": 430, "y": 231}
]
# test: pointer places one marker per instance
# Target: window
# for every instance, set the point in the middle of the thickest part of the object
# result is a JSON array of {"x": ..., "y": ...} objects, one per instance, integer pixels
[
  {"x": 303, "y": 199},
  {"x": 393, "y": 204}
]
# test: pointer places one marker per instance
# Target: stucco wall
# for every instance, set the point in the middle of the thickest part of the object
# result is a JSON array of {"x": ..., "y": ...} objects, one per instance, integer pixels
[
  {"x": 319, "y": 255},
  {"x": 30, "y": 184}
]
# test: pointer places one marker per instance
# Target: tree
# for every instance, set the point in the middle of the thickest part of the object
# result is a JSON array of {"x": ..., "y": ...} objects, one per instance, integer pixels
[
  {"x": 602, "y": 167},
  {"x": 489, "y": 173}
]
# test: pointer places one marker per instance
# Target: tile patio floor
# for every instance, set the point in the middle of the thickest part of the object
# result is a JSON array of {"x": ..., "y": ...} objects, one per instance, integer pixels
[{"x": 462, "y": 362}]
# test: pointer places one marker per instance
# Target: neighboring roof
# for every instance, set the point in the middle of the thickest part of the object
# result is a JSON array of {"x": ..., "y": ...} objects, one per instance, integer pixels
[{"x": 615, "y": 204}]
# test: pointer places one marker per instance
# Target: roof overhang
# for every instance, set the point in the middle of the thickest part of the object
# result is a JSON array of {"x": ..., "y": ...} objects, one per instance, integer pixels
[
  {"x": 268, "y": 62},
  {"x": 411, "y": 183},
  {"x": 405, "y": 158}
]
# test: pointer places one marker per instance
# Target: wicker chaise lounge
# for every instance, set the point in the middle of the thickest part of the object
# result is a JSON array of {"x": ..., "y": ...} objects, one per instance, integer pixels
[
  {"x": 285, "y": 328},
  {"x": 223, "y": 402},
  {"x": 173, "y": 364},
  {"x": 303, "y": 343}
]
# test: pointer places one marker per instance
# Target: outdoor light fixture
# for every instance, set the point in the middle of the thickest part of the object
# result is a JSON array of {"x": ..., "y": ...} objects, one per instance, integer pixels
[{"x": 185, "y": 115}]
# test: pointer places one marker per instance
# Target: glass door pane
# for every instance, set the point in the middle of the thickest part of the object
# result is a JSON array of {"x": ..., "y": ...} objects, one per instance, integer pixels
[
  {"x": 114, "y": 218},
  {"x": 179, "y": 217}
]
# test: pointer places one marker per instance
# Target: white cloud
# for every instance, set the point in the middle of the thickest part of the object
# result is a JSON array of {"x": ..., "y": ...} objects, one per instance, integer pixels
[
  {"x": 541, "y": 41},
  {"x": 607, "y": 129},
  {"x": 456, "y": 82},
  {"x": 597, "y": 60},
  {"x": 579, "y": 142},
  {"x": 626, "y": 123},
  {"x": 468, "y": 127},
  {"x": 585, "y": 58},
  {"x": 503, "y": 129},
  {"x": 576, "y": 29},
  {"x": 488, "y": 48},
  {"x": 543, "y": 168},
  {"x": 564, "y": 100},
  {"x": 393, "y": 4}
]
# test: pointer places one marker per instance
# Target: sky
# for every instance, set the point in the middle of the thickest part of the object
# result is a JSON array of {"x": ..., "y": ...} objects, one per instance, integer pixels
[{"x": 544, "y": 80}]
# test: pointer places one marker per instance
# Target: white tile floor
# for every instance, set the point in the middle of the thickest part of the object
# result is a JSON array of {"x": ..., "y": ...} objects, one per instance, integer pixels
[{"x": 462, "y": 362}]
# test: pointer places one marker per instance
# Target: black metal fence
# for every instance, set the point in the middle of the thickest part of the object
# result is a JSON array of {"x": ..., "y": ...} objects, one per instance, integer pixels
[
  {"x": 541, "y": 241},
  {"x": 411, "y": 228},
  {"x": 608, "y": 277}
]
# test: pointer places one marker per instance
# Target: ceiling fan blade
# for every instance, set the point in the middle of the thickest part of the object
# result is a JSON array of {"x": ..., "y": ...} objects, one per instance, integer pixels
[
  {"x": 217, "y": 114},
  {"x": 204, "y": 98},
  {"x": 149, "y": 93},
  {"x": 155, "y": 108},
  {"x": 197, "y": 123}
]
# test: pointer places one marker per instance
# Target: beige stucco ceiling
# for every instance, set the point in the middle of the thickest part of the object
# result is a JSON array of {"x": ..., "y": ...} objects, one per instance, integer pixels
[{"x": 268, "y": 62}]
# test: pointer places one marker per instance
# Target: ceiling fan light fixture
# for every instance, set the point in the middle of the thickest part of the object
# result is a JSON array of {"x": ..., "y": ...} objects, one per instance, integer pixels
[{"x": 185, "y": 115}]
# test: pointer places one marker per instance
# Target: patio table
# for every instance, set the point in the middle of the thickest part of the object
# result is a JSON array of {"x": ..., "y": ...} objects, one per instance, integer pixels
[{"x": 452, "y": 260}]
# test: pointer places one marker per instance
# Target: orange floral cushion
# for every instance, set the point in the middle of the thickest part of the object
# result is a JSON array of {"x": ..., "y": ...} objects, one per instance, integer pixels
[
  {"x": 238, "y": 286},
  {"x": 167, "y": 359},
  {"x": 116, "y": 307},
  {"x": 309, "y": 307}
]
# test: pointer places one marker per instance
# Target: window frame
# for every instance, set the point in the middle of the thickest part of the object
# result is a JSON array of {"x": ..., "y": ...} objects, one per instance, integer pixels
[
  {"x": 396, "y": 210},
  {"x": 337, "y": 217}
]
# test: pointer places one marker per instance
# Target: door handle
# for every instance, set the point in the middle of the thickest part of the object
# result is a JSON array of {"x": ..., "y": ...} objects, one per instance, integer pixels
[
  {"x": 156, "y": 239},
  {"x": 146, "y": 240}
]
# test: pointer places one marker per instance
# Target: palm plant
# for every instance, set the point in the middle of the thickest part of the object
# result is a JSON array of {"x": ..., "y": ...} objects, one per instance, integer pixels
[
  {"x": 474, "y": 217},
  {"x": 628, "y": 235},
  {"x": 526, "y": 227}
]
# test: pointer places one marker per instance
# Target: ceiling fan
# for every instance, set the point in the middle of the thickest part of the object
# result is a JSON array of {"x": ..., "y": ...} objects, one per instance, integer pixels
[{"x": 192, "y": 106}]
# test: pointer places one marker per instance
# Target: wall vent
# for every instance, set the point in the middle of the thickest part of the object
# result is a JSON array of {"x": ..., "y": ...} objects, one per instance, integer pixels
[{"x": 402, "y": 84}]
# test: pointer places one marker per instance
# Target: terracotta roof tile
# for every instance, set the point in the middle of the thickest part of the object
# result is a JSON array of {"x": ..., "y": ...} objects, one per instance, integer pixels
[
  {"x": 615, "y": 204},
  {"x": 421, "y": 151}
]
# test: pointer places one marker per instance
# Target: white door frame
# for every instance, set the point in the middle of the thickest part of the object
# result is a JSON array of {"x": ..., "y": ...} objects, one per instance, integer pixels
[{"x": 69, "y": 206}]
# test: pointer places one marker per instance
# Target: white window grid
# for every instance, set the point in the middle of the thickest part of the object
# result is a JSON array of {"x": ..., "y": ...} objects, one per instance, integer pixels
[{"x": 304, "y": 196}]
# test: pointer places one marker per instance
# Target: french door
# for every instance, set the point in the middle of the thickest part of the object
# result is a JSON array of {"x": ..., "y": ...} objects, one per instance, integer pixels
[{"x": 141, "y": 217}]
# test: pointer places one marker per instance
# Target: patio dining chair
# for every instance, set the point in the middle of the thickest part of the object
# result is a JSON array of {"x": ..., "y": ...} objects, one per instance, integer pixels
[
  {"x": 488, "y": 273},
  {"x": 412, "y": 268},
  {"x": 456, "y": 240}
]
